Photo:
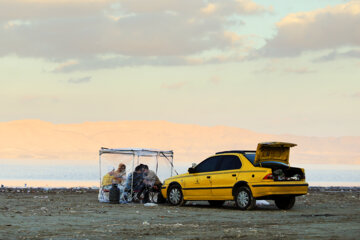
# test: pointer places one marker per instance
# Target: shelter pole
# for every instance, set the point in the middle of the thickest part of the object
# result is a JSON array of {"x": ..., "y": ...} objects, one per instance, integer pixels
[
  {"x": 170, "y": 162},
  {"x": 132, "y": 175},
  {"x": 172, "y": 165},
  {"x": 100, "y": 168},
  {"x": 157, "y": 162}
]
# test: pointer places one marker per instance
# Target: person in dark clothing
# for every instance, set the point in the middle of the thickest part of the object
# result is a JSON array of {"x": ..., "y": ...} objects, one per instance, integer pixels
[
  {"x": 151, "y": 183},
  {"x": 135, "y": 181}
]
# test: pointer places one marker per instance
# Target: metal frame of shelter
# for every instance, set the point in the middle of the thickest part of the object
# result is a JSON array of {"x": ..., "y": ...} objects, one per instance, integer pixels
[{"x": 139, "y": 152}]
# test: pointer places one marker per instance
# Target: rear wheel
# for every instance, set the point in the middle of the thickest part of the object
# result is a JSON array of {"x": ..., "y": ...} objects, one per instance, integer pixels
[
  {"x": 285, "y": 203},
  {"x": 244, "y": 199},
  {"x": 175, "y": 196},
  {"x": 216, "y": 203}
]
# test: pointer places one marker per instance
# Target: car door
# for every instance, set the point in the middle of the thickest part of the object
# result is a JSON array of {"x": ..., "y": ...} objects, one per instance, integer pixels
[
  {"x": 198, "y": 184},
  {"x": 225, "y": 177}
]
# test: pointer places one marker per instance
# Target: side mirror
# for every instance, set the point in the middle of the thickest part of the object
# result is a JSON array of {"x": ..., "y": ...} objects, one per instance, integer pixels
[{"x": 191, "y": 170}]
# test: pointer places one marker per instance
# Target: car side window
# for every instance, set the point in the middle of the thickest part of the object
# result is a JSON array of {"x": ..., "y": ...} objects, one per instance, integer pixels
[
  {"x": 229, "y": 162},
  {"x": 208, "y": 165}
]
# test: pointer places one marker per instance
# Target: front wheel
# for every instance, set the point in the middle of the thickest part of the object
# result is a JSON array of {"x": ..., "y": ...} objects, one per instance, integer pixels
[
  {"x": 175, "y": 196},
  {"x": 285, "y": 203},
  {"x": 244, "y": 199}
]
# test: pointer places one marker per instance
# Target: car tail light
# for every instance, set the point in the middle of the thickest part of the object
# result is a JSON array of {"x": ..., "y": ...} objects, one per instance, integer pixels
[{"x": 269, "y": 176}]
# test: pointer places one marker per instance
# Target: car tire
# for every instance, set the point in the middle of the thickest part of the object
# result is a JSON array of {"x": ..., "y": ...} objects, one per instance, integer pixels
[
  {"x": 216, "y": 203},
  {"x": 161, "y": 199},
  {"x": 244, "y": 199},
  {"x": 285, "y": 203},
  {"x": 175, "y": 196}
]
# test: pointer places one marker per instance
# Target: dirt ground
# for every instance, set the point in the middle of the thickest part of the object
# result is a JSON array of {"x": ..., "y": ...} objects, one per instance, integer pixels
[{"x": 325, "y": 213}]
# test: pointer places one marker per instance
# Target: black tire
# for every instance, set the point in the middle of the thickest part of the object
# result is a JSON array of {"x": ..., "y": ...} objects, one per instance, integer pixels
[
  {"x": 216, "y": 203},
  {"x": 161, "y": 199},
  {"x": 285, "y": 203},
  {"x": 175, "y": 196},
  {"x": 244, "y": 199}
]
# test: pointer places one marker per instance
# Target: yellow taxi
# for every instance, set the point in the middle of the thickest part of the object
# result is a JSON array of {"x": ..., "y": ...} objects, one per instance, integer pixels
[{"x": 243, "y": 176}]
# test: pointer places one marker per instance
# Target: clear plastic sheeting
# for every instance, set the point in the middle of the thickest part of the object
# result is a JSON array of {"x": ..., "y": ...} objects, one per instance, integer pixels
[
  {"x": 138, "y": 173},
  {"x": 136, "y": 151}
]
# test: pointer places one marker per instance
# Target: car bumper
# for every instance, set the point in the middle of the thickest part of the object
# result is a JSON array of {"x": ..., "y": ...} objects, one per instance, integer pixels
[
  {"x": 284, "y": 188},
  {"x": 164, "y": 191}
]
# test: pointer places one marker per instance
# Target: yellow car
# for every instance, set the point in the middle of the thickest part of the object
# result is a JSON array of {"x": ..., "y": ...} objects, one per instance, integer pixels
[{"x": 243, "y": 176}]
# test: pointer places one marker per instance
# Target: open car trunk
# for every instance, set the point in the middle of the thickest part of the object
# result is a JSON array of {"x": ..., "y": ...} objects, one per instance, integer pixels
[
  {"x": 283, "y": 172},
  {"x": 275, "y": 155}
]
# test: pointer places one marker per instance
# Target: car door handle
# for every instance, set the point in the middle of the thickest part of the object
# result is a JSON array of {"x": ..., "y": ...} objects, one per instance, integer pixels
[
  {"x": 208, "y": 176},
  {"x": 234, "y": 175}
]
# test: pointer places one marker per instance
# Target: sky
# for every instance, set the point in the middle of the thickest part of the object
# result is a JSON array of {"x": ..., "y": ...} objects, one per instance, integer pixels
[{"x": 277, "y": 67}]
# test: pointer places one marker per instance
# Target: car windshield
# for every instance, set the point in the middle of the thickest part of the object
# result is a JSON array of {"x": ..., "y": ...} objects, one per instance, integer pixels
[{"x": 250, "y": 156}]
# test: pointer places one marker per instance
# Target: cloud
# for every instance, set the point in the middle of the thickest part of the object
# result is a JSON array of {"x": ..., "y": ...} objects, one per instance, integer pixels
[
  {"x": 174, "y": 86},
  {"x": 209, "y": 9},
  {"x": 333, "y": 55},
  {"x": 65, "y": 65},
  {"x": 54, "y": 9},
  {"x": 301, "y": 70},
  {"x": 277, "y": 66},
  {"x": 131, "y": 30},
  {"x": 327, "y": 28},
  {"x": 194, "y": 7},
  {"x": 79, "y": 80},
  {"x": 109, "y": 62},
  {"x": 119, "y": 61}
]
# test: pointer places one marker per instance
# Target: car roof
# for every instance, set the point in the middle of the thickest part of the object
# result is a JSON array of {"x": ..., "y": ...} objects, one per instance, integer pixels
[{"x": 237, "y": 151}]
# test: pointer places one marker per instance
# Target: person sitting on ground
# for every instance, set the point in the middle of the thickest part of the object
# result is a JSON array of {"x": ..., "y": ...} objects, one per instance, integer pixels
[
  {"x": 106, "y": 184},
  {"x": 120, "y": 175},
  {"x": 151, "y": 183},
  {"x": 151, "y": 179},
  {"x": 108, "y": 178},
  {"x": 135, "y": 181}
]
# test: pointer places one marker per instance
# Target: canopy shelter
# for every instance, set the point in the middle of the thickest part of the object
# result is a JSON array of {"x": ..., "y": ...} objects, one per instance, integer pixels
[
  {"x": 159, "y": 161},
  {"x": 136, "y": 151}
]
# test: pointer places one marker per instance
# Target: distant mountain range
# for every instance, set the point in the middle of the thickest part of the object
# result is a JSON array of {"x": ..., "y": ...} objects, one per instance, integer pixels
[{"x": 39, "y": 141}]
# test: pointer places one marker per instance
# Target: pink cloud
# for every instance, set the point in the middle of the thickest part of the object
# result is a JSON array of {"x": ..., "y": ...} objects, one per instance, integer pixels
[
  {"x": 132, "y": 31},
  {"x": 327, "y": 28}
]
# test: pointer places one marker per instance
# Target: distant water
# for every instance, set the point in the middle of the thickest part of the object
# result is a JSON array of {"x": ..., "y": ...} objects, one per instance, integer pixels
[
  {"x": 14, "y": 175},
  {"x": 332, "y": 174},
  {"x": 88, "y": 175}
]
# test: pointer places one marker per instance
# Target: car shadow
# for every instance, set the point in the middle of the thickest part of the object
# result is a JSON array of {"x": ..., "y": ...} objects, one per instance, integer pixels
[{"x": 229, "y": 205}]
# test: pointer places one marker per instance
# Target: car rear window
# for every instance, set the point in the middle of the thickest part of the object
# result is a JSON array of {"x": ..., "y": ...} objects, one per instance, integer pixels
[{"x": 250, "y": 156}]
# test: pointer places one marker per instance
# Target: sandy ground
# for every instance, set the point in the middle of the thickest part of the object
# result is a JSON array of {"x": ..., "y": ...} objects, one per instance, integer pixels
[{"x": 325, "y": 213}]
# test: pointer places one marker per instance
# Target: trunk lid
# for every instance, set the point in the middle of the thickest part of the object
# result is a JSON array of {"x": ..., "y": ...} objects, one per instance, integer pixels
[{"x": 273, "y": 151}]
